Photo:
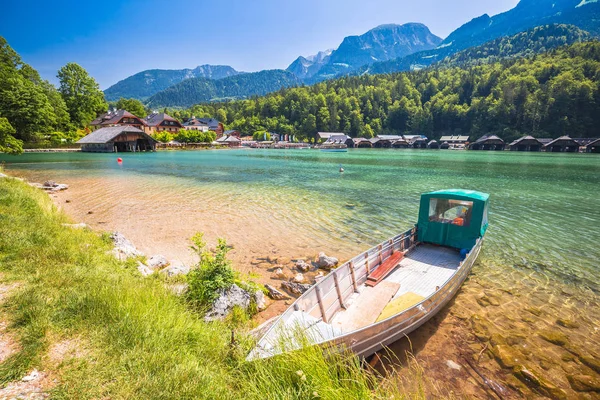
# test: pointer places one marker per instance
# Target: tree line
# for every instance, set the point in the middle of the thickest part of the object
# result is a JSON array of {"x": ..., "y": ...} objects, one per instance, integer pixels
[{"x": 34, "y": 110}]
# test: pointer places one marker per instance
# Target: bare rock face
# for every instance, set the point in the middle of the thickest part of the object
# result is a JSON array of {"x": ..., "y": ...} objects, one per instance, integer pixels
[
  {"x": 123, "y": 247},
  {"x": 327, "y": 262},
  {"x": 296, "y": 288},
  {"x": 302, "y": 266},
  {"x": 234, "y": 296},
  {"x": 274, "y": 293},
  {"x": 157, "y": 262}
]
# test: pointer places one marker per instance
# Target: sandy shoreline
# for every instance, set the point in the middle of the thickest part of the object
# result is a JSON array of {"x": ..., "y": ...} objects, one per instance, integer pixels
[{"x": 513, "y": 315}]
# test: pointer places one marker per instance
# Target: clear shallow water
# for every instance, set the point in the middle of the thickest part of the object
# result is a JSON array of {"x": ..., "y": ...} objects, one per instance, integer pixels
[
  {"x": 540, "y": 265},
  {"x": 545, "y": 208}
]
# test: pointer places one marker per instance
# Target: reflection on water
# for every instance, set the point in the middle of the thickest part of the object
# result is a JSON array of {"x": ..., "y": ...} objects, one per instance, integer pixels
[{"x": 539, "y": 263}]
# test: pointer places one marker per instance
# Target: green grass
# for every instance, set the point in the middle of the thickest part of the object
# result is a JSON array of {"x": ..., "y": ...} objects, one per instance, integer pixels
[{"x": 134, "y": 338}]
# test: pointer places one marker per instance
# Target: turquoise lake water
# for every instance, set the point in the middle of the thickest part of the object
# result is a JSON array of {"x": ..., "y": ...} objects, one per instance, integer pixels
[{"x": 545, "y": 208}]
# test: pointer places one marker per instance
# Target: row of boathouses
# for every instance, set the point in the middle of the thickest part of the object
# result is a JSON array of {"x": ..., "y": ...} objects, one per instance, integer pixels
[{"x": 563, "y": 144}]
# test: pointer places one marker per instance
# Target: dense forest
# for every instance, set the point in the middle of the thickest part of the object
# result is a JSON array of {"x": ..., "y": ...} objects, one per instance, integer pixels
[
  {"x": 32, "y": 110},
  {"x": 546, "y": 95}
]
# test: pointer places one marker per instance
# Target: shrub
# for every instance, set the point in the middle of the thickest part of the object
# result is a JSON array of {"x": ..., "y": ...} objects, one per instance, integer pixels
[{"x": 213, "y": 273}]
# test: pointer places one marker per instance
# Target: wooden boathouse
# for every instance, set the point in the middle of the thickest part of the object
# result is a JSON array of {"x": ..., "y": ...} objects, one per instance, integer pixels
[
  {"x": 563, "y": 144},
  {"x": 362, "y": 143},
  {"x": 526, "y": 143},
  {"x": 117, "y": 139},
  {"x": 433, "y": 144},
  {"x": 487, "y": 142},
  {"x": 593, "y": 147}
]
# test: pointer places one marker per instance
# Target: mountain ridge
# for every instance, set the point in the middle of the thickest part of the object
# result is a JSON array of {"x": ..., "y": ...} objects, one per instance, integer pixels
[
  {"x": 196, "y": 90},
  {"x": 381, "y": 43},
  {"x": 146, "y": 83}
]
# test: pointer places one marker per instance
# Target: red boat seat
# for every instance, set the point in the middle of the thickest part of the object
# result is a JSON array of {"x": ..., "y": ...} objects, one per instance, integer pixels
[{"x": 384, "y": 269}]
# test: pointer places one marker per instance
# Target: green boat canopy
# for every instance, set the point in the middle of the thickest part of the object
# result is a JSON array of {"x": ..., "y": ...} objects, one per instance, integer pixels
[{"x": 454, "y": 218}]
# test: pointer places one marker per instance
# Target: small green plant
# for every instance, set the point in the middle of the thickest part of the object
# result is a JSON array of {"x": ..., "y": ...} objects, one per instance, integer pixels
[{"x": 213, "y": 273}]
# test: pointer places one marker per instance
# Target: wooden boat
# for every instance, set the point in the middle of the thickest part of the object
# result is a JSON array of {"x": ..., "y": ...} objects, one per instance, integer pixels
[{"x": 390, "y": 290}]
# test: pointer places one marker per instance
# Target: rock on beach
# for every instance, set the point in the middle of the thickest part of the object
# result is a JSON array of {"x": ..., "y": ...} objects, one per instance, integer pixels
[
  {"x": 123, "y": 247},
  {"x": 50, "y": 186},
  {"x": 157, "y": 262},
  {"x": 326, "y": 262},
  {"x": 174, "y": 270},
  {"x": 234, "y": 296}
]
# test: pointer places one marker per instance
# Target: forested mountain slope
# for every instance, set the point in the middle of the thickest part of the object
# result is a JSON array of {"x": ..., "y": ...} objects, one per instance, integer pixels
[
  {"x": 548, "y": 95},
  {"x": 196, "y": 90},
  {"x": 147, "y": 83}
]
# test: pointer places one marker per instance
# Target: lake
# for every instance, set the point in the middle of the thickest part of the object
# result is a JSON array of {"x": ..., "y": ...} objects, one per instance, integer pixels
[{"x": 539, "y": 264}]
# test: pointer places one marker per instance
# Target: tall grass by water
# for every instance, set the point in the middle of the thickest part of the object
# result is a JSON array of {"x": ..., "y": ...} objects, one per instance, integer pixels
[{"x": 100, "y": 330}]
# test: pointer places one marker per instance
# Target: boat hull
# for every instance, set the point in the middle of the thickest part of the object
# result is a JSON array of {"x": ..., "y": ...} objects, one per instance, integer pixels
[
  {"x": 375, "y": 337},
  {"x": 331, "y": 295}
]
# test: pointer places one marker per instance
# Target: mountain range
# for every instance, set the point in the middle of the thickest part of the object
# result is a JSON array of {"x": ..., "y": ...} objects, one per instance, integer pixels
[
  {"x": 384, "y": 49},
  {"x": 146, "y": 83},
  {"x": 382, "y": 43}
]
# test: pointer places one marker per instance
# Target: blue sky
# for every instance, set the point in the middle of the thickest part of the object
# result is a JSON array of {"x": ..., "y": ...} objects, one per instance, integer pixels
[{"x": 114, "y": 40}]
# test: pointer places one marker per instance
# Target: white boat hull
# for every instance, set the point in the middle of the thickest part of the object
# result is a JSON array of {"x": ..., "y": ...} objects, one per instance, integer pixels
[{"x": 317, "y": 309}]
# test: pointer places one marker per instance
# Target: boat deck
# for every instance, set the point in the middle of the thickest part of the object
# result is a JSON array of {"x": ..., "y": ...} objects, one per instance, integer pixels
[{"x": 419, "y": 274}]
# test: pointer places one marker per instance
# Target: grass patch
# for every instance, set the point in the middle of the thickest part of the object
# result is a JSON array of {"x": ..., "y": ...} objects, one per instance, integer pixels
[{"x": 140, "y": 340}]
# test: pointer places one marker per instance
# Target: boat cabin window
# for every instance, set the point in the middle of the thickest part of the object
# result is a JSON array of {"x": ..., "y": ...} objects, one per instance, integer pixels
[{"x": 446, "y": 211}]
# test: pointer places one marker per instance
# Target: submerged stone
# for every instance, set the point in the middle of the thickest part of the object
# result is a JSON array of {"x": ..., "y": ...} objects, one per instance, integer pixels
[
  {"x": 567, "y": 323},
  {"x": 590, "y": 361},
  {"x": 534, "y": 310},
  {"x": 485, "y": 301},
  {"x": 279, "y": 274},
  {"x": 538, "y": 383},
  {"x": 584, "y": 383},
  {"x": 480, "y": 327},
  {"x": 554, "y": 337},
  {"x": 507, "y": 356}
]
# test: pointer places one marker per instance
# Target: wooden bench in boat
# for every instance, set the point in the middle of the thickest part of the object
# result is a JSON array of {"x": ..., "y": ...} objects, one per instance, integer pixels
[{"x": 384, "y": 269}]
